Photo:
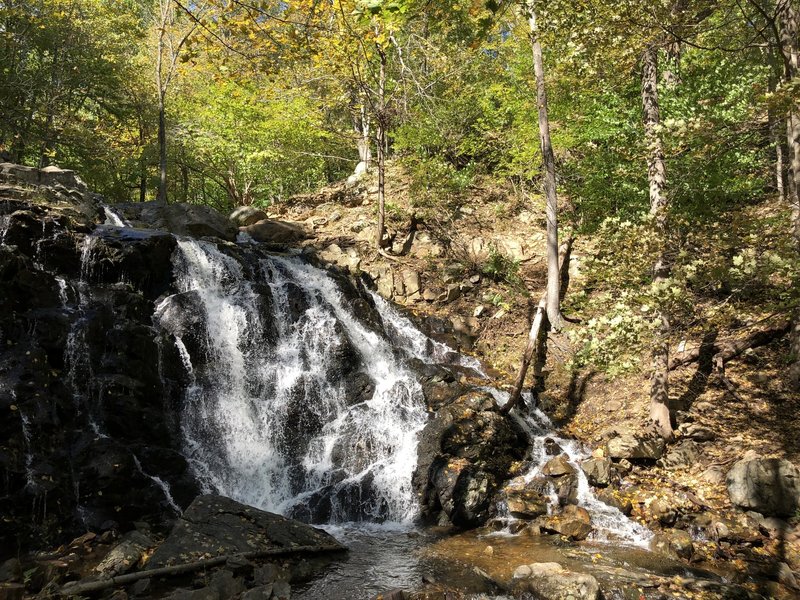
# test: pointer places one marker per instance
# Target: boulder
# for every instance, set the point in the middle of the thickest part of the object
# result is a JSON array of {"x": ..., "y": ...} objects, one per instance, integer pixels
[
  {"x": 197, "y": 220},
  {"x": 598, "y": 471},
  {"x": 769, "y": 486},
  {"x": 558, "y": 466},
  {"x": 526, "y": 503},
  {"x": 464, "y": 454},
  {"x": 673, "y": 543},
  {"x": 615, "y": 499},
  {"x": 348, "y": 259},
  {"x": 11, "y": 571},
  {"x": 554, "y": 582},
  {"x": 682, "y": 455},
  {"x": 125, "y": 555},
  {"x": 243, "y": 216},
  {"x": 631, "y": 445},
  {"x": 275, "y": 232},
  {"x": 214, "y": 526},
  {"x": 574, "y": 522}
]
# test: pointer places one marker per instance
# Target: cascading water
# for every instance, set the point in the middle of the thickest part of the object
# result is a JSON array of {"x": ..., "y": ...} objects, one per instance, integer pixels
[
  {"x": 608, "y": 522},
  {"x": 113, "y": 218},
  {"x": 271, "y": 418},
  {"x": 271, "y": 349}
]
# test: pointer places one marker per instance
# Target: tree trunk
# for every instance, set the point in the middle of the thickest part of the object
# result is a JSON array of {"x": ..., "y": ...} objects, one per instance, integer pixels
[
  {"x": 364, "y": 146},
  {"x": 553, "y": 277},
  {"x": 162, "y": 151},
  {"x": 381, "y": 147},
  {"x": 789, "y": 18},
  {"x": 143, "y": 166},
  {"x": 657, "y": 178}
]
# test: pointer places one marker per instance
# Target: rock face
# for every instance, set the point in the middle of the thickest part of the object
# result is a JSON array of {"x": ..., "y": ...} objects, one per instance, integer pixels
[
  {"x": 91, "y": 392},
  {"x": 79, "y": 357},
  {"x": 218, "y": 526},
  {"x": 554, "y": 582},
  {"x": 766, "y": 485},
  {"x": 464, "y": 455}
]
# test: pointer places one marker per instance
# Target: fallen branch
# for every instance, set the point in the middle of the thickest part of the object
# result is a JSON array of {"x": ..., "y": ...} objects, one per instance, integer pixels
[
  {"x": 726, "y": 351},
  {"x": 77, "y": 588}
]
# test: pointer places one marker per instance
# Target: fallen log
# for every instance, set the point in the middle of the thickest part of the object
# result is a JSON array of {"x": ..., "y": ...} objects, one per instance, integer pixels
[
  {"x": 77, "y": 588},
  {"x": 723, "y": 352}
]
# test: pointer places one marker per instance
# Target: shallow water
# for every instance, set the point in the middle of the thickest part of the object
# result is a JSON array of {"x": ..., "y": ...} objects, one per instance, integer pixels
[{"x": 384, "y": 559}]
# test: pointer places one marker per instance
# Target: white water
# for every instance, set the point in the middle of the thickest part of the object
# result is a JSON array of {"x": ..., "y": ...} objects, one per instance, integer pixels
[
  {"x": 161, "y": 484},
  {"x": 5, "y": 221},
  {"x": 404, "y": 334},
  {"x": 267, "y": 421},
  {"x": 114, "y": 218},
  {"x": 609, "y": 523}
]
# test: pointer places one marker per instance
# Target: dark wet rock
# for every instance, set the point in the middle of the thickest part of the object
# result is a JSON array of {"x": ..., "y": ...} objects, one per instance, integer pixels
[
  {"x": 598, "y": 471},
  {"x": 632, "y": 444},
  {"x": 243, "y": 216},
  {"x": 573, "y": 522},
  {"x": 564, "y": 486},
  {"x": 464, "y": 454},
  {"x": 215, "y": 525},
  {"x": 769, "y": 486},
  {"x": 275, "y": 232},
  {"x": 11, "y": 571},
  {"x": 614, "y": 498},
  {"x": 551, "y": 447},
  {"x": 554, "y": 582}
]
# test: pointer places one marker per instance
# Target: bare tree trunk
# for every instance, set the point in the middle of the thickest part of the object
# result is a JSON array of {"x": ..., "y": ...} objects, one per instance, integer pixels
[
  {"x": 143, "y": 175},
  {"x": 162, "y": 151},
  {"x": 553, "y": 278},
  {"x": 364, "y": 146},
  {"x": 789, "y": 19},
  {"x": 381, "y": 147},
  {"x": 657, "y": 177}
]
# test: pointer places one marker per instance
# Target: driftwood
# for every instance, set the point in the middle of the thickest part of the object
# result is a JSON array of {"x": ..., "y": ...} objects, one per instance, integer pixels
[
  {"x": 78, "y": 587},
  {"x": 723, "y": 352},
  {"x": 538, "y": 330}
]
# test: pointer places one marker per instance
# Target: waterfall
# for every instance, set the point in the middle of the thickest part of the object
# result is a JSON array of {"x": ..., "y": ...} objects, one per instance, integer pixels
[
  {"x": 405, "y": 335},
  {"x": 609, "y": 523},
  {"x": 163, "y": 485},
  {"x": 5, "y": 222},
  {"x": 306, "y": 411},
  {"x": 114, "y": 218}
]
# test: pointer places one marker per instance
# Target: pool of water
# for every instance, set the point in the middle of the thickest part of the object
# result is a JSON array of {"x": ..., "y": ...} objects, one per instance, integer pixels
[{"x": 480, "y": 565}]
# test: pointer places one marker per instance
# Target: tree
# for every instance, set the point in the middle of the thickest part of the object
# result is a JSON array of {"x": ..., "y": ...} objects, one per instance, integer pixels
[
  {"x": 657, "y": 178},
  {"x": 171, "y": 35}
]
